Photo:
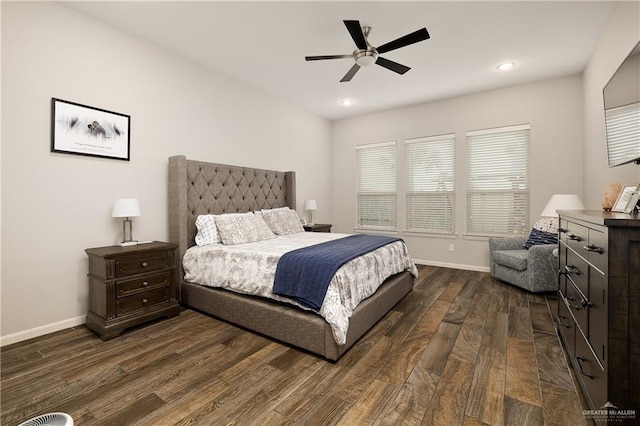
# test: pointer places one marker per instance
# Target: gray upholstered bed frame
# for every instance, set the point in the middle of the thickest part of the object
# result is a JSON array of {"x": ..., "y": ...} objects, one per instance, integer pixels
[{"x": 197, "y": 187}]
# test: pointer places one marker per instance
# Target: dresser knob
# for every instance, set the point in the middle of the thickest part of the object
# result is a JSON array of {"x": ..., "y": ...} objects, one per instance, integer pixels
[
  {"x": 144, "y": 300},
  {"x": 145, "y": 264},
  {"x": 144, "y": 284}
]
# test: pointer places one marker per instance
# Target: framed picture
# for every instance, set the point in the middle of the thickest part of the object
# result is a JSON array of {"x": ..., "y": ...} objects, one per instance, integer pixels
[
  {"x": 626, "y": 200},
  {"x": 84, "y": 130},
  {"x": 303, "y": 221}
]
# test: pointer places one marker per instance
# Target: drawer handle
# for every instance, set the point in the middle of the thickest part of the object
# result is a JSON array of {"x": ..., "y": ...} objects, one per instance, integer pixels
[
  {"x": 593, "y": 248},
  {"x": 145, "y": 264},
  {"x": 574, "y": 237},
  {"x": 584, "y": 373},
  {"x": 144, "y": 300},
  {"x": 144, "y": 284},
  {"x": 560, "y": 318},
  {"x": 572, "y": 269}
]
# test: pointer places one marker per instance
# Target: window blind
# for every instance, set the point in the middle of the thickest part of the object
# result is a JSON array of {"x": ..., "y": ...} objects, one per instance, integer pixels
[
  {"x": 376, "y": 186},
  {"x": 498, "y": 181},
  {"x": 430, "y": 195},
  {"x": 623, "y": 133}
]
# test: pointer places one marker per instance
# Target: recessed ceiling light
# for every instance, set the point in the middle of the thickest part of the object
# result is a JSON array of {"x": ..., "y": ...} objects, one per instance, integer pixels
[
  {"x": 506, "y": 66},
  {"x": 347, "y": 102}
]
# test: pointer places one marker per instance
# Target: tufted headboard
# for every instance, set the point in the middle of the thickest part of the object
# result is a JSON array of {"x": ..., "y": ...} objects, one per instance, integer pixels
[{"x": 197, "y": 187}]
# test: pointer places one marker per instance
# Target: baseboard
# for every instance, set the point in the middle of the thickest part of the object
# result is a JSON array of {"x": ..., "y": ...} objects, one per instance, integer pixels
[
  {"x": 452, "y": 265},
  {"x": 41, "y": 331}
]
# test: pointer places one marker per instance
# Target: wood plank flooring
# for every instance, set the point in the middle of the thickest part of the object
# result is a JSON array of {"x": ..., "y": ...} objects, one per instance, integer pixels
[{"x": 461, "y": 349}]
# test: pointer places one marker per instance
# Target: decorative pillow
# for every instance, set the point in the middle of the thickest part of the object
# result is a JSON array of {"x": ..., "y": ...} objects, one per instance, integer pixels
[
  {"x": 544, "y": 231},
  {"x": 547, "y": 224},
  {"x": 282, "y": 221},
  {"x": 207, "y": 230},
  {"x": 240, "y": 228}
]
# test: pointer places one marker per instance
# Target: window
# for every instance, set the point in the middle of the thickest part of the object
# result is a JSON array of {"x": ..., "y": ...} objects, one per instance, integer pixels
[
  {"x": 498, "y": 181},
  {"x": 430, "y": 184},
  {"x": 623, "y": 133},
  {"x": 376, "y": 186}
]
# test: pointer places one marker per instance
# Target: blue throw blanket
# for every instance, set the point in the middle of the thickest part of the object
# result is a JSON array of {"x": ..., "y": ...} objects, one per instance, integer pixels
[{"x": 304, "y": 274}]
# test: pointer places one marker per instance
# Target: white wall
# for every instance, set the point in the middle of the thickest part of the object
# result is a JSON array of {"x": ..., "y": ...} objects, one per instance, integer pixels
[
  {"x": 620, "y": 37},
  {"x": 552, "y": 107},
  {"x": 56, "y": 205}
]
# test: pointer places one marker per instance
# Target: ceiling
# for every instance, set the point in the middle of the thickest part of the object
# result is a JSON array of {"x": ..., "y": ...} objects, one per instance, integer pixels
[{"x": 264, "y": 43}]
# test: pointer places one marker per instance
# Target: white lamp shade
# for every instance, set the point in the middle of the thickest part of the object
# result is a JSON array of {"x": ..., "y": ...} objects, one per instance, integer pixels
[
  {"x": 310, "y": 205},
  {"x": 126, "y": 207},
  {"x": 562, "y": 202}
]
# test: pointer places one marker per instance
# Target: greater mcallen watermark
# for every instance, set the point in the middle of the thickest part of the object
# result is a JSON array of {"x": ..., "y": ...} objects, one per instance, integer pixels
[{"x": 609, "y": 413}]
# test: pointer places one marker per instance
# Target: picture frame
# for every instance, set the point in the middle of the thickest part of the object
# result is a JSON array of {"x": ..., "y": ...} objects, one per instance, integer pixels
[
  {"x": 303, "y": 221},
  {"x": 90, "y": 131},
  {"x": 627, "y": 199}
]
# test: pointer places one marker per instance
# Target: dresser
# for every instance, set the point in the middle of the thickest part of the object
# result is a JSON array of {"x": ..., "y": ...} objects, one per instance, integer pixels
[
  {"x": 130, "y": 285},
  {"x": 599, "y": 306}
]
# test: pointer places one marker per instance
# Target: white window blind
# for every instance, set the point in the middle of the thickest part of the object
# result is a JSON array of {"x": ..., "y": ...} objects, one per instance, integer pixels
[
  {"x": 430, "y": 192},
  {"x": 498, "y": 181},
  {"x": 376, "y": 186},
  {"x": 623, "y": 133}
]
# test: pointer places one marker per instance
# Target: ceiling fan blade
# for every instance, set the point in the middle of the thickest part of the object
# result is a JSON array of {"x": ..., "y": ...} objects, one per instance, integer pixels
[
  {"x": 355, "y": 30},
  {"x": 349, "y": 75},
  {"x": 390, "y": 65},
  {"x": 414, "y": 37},
  {"x": 320, "y": 58}
]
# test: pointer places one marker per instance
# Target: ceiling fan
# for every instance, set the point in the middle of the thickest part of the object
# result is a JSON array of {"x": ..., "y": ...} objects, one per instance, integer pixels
[{"x": 365, "y": 54}]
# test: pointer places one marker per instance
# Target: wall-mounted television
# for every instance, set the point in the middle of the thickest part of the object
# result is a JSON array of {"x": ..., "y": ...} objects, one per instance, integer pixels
[{"x": 622, "y": 112}]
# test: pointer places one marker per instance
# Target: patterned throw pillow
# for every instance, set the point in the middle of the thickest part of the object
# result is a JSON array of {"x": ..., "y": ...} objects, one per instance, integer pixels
[
  {"x": 544, "y": 231},
  {"x": 241, "y": 228},
  {"x": 207, "y": 230},
  {"x": 282, "y": 221}
]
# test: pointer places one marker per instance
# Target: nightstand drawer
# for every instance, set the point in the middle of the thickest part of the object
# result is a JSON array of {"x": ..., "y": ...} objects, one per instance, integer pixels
[
  {"x": 142, "y": 264},
  {"x": 148, "y": 282},
  {"x": 142, "y": 300}
]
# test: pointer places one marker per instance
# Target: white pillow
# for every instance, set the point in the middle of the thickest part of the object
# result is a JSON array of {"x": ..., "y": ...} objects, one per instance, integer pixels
[
  {"x": 207, "y": 230},
  {"x": 240, "y": 228},
  {"x": 282, "y": 221}
]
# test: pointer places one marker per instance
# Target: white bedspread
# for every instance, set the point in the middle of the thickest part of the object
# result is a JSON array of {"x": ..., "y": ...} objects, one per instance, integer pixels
[{"x": 250, "y": 268}]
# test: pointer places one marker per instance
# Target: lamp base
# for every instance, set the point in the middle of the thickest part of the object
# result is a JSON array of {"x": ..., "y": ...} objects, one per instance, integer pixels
[{"x": 128, "y": 243}]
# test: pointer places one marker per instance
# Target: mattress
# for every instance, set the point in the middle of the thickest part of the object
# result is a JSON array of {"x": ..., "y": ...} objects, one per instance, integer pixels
[{"x": 250, "y": 269}]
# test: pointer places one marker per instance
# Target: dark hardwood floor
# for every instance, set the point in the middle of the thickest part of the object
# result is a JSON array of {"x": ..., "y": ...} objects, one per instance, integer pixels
[{"x": 461, "y": 349}]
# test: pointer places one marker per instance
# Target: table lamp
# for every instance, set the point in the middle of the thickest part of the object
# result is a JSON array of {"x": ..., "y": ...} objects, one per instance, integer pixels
[{"x": 127, "y": 208}]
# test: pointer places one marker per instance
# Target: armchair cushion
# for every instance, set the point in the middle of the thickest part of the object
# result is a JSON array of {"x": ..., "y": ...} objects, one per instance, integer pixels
[{"x": 514, "y": 259}]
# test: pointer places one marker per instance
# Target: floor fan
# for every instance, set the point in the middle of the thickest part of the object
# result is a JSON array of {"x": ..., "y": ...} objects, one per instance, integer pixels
[{"x": 50, "y": 419}]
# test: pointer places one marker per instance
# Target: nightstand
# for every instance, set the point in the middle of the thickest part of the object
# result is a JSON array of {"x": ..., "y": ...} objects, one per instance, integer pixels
[
  {"x": 130, "y": 285},
  {"x": 318, "y": 227}
]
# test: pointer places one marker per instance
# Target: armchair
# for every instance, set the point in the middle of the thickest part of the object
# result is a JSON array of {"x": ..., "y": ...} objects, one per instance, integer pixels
[{"x": 533, "y": 269}]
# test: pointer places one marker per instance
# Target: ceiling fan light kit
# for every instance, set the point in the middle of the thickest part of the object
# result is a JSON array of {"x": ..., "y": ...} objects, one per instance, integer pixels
[{"x": 366, "y": 54}]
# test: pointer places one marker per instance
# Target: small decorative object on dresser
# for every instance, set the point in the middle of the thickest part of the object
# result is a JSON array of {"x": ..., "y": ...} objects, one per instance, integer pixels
[
  {"x": 627, "y": 199},
  {"x": 610, "y": 196},
  {"x": 130, "y": 285},
  {"x": 318, "y": 227}
]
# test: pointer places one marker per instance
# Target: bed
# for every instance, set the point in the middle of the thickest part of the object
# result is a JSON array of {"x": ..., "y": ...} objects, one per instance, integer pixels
[{"x": 199, "y": 188}]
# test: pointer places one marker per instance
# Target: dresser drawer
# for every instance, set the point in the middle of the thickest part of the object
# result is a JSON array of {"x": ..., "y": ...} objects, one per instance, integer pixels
[
  {"x": 590, "y": 373},
  {"x": 566, "y": 325},
  {"x": 598, "y": 322},
  {"x": 578, "y": 270},
  {"x": 142, "y": 300},
  {"x": 576, "y": 236},
  {"x": 142, "y": 264},
  {"x": 148, "y": 282},
  {"x": 577, "y": 305},
  {"x": 596, "y": 251}
]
